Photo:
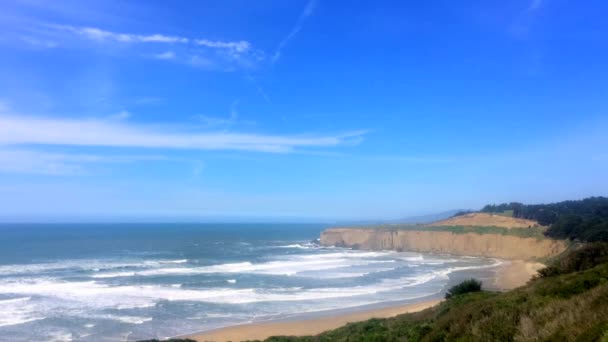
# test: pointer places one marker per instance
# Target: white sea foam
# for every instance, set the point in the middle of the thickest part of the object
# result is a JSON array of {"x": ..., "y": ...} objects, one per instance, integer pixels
[
  {"x": 129, "y": 319},
  {"x": 132, "y": 319},
  {"x": 302, "y": 246},
  {"x": 97, "y": 295},
  {"x": 18, "y": 311},
  {"x": 231, "y": 281},
  {"x": 14, "y": 300},
  {"x": 60, "y": 336},
  {"x": 90, "y": 265},
  {"x": 289, "y": 265},
  {"x": 181, "y": 261}
]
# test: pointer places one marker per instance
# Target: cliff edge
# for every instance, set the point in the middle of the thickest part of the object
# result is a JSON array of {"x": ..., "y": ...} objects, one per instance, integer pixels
[{"x": 471, "y": 244}]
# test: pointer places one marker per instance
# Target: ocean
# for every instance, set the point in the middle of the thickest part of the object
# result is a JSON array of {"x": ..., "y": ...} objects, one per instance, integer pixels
[{"x": 124, "y": 282}]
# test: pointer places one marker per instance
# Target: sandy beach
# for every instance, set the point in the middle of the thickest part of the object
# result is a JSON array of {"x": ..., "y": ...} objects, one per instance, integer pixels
[
  {"x": 509, "y": 275},
  {"x": 259, "y": 331},
  {"x": 515, "y": 273}
]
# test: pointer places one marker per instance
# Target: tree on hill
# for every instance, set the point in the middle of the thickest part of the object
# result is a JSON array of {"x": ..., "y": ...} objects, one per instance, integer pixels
[{"x": 584, "y": 220}]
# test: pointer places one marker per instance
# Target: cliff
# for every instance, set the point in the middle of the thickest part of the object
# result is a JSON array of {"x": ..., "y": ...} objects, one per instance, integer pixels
[{"x": 471, "y": 244}]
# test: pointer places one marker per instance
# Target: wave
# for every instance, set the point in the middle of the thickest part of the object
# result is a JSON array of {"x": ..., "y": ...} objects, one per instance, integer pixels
[
  {"x": 302, "y": 246},
  {"x": 291, "y": 265},
  {"x": 18, "y": 311},
  {"x": 60, "y": 336},
  {"x": 96, "y": 295},
  {"x": 181, "y": 261},
  {"x": 14, "y": 300},
  {"x": 120, "y": 318},
  {"x": 132, "y": 319},
  {"x": 87, "y": 265},
  {"x": 38, "y": 298}
]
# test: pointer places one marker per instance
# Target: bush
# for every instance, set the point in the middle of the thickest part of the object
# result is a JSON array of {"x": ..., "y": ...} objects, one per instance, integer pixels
[
  {"x": 586, "y": 257},
  {"x": 471, "y": 285}
]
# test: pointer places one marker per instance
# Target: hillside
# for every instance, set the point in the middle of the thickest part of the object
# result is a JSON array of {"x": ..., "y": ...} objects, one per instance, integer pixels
[{"x": 486, "y": 220}]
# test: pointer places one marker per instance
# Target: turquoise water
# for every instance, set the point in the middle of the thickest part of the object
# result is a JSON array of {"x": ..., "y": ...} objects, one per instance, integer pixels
[{"x": 116, "y": 282}]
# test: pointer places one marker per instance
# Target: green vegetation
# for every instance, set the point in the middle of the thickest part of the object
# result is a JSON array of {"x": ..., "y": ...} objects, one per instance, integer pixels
[
  {"x": 571, "y": 305},
  {"x": 584, "y": 220},
  {"x": 536, "y": 232},
  {"x": 578, "y": 260},
  {"x": 507, "y": 213},
  {"x": 467, "y": 286},
  {"x": 170, "y": 340}
]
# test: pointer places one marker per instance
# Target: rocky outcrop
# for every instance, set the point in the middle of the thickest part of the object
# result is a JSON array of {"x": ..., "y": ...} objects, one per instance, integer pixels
[{"x": 471, "y": 244}]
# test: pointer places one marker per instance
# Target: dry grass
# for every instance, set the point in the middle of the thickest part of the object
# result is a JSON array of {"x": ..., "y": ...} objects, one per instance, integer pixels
[{"x": 483, "y": 219}]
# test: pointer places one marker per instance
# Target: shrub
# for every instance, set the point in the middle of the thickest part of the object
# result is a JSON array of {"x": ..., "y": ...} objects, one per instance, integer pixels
[
  {"x": 586, "y": 257},
  {"x": 471, "y": 285}
]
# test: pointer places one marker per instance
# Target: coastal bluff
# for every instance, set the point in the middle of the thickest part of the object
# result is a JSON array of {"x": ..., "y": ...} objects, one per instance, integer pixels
[{"x": 466, "y": 244}]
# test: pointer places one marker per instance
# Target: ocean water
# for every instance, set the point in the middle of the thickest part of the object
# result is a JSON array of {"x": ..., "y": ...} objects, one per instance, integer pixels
[{"x": 119, "y": 282}]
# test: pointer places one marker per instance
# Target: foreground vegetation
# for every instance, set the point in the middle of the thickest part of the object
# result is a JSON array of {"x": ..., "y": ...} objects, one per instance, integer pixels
[
  {"x": 568, "y": 304},
  {"x": 467, "y": 286}
]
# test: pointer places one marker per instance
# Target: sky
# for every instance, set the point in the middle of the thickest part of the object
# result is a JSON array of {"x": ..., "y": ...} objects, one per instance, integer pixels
[{"x": 307, "y": 110}]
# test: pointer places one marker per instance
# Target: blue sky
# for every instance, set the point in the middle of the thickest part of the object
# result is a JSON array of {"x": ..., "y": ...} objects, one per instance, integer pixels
[{"x": 298, "y": 110}]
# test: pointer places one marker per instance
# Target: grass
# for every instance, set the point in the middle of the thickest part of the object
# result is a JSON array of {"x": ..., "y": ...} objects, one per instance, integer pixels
[{"x": 534, "y": 232}]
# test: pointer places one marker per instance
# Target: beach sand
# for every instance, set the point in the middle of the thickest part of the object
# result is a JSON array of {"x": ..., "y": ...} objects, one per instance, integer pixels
[
  {"x": 259, "y": 331},
  {"x": 510, "y": 275},
  {"x": 515, "y": 273}
]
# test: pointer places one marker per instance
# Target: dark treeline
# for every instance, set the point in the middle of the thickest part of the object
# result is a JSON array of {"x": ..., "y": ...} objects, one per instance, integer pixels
[{"x": 585, "y": 220}]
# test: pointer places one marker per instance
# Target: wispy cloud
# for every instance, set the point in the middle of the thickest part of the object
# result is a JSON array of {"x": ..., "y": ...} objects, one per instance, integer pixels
[
  {"x": 240, "y": 46},
  {"x": 232, "y": 120},
  {"x": 165, "y": 55},
  {"x": 31, "y": 161},
  {"x": 40, "y": 42},
  {"x": 95, "y": 33},
  {"x": 259, "y": 89},
  {"x": 27, "y": 130},
  {"x": 196, "y": 52},
  {"x": 307, "y": 12}
]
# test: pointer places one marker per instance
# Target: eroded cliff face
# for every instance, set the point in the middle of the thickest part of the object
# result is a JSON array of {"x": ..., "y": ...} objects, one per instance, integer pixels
[{"x": 471, "y": 244}]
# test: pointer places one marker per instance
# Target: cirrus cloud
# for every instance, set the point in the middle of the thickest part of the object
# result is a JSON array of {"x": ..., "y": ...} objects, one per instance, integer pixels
[{"x": 28, "y": 130}]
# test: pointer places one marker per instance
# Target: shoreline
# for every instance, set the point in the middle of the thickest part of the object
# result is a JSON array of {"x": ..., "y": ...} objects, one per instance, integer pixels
[
  {"x": 308, "y": 326},
  {"x": 509, "y": 275}
]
